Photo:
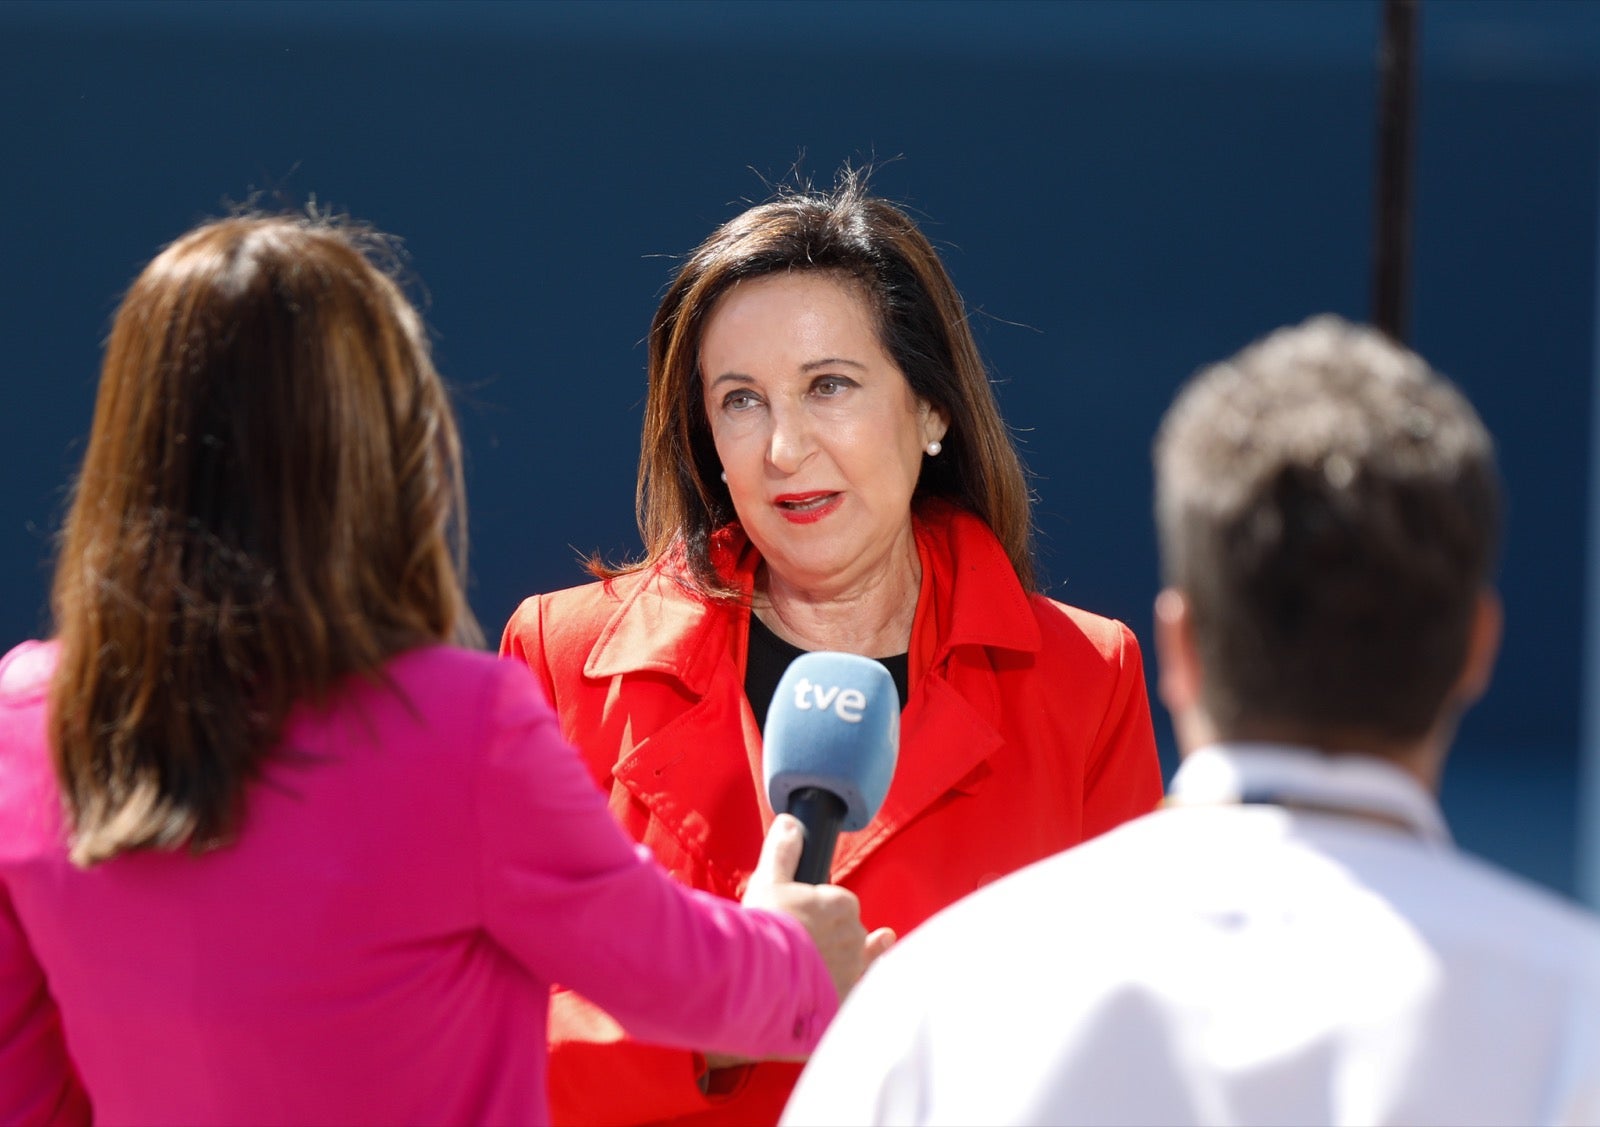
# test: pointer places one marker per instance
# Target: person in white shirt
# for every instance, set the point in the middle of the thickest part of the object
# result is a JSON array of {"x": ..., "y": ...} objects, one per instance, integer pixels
[{"x": 1293, "y": 938}]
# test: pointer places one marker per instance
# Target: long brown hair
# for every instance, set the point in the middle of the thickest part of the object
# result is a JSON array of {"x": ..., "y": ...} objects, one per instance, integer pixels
[
  {"x": 922, "y": 324},
  {"x": 271, "y": 500}
]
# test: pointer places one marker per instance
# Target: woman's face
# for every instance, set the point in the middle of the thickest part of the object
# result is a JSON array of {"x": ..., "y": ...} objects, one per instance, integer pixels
[{"x": 820, "y": 435}]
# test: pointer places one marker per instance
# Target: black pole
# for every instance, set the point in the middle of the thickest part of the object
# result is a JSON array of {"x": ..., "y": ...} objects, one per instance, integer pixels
[
  {"x": 1397, "y": 108},
  {"x": 821, "y": 813}
]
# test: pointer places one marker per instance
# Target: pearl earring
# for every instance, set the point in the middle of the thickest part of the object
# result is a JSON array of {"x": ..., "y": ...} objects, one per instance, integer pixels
[
  {"x": 724, "y": 477},
  {"x": 933, "y": 448}
]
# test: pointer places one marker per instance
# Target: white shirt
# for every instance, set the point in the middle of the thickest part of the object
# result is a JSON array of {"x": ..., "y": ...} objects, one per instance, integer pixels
[{"x": 1228, "y": 961}]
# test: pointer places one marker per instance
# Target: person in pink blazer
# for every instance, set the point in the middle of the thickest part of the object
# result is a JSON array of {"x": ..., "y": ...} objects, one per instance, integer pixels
[{"x": 273, "y": 849}]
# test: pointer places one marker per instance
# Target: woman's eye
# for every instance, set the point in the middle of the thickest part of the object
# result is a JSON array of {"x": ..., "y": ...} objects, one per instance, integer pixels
[
  {"x": 830, "y": 386},
  {"x": 738, "y": 400}
]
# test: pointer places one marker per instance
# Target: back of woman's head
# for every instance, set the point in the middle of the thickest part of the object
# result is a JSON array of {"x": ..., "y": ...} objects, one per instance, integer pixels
[
  {"x": 270, "y": 501},
  {"x": 922, "y": 325}
]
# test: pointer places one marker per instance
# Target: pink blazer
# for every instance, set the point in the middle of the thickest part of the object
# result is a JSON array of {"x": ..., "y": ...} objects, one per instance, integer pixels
[{"x": 379, "y": 944}]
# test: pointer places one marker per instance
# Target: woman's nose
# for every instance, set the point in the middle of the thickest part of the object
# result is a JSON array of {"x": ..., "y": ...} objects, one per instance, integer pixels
[{"x": 790, "y": 442}]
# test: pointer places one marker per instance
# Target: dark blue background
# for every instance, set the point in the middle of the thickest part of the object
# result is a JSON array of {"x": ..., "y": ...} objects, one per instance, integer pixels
[{"x": 1122, "y": 191}]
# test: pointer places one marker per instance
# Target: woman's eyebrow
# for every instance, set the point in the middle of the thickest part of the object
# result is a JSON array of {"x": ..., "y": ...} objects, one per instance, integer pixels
[{"x": 829, "y": 361}]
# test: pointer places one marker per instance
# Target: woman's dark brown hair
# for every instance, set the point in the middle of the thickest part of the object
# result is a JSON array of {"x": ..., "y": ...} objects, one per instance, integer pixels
[
  {"x": 922, "y": 324},
  {"x": 271, "y": 500}
]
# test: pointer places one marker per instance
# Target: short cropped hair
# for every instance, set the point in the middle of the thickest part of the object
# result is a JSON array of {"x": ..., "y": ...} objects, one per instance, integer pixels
[
  {"x": 922, "y": 325},
  {"x": 1330, "y": 507},
  {"x": 270, "y": 501}
]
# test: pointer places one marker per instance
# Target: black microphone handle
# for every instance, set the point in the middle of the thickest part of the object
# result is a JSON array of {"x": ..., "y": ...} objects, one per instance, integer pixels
[{"x": 821, "y": 812}]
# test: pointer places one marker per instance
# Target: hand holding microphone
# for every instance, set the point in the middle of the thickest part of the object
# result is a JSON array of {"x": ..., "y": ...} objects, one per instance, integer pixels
[
  {"x": 831, "y": 915},
  {"x": 832, "y": 737}
]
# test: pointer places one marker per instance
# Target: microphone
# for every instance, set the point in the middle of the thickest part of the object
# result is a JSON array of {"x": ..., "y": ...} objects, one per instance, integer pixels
[{"x": 832, "y": 736}]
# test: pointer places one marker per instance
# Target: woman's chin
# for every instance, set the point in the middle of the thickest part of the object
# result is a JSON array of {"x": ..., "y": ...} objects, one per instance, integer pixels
[{"x": 809, "y": 568}]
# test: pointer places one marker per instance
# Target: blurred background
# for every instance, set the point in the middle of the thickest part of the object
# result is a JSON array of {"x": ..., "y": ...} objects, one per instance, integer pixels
[{"x": 1123, "y": 191}]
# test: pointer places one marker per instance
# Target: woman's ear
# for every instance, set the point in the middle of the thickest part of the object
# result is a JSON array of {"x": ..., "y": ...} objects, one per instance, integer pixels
[{"x": 935, "y": 422}]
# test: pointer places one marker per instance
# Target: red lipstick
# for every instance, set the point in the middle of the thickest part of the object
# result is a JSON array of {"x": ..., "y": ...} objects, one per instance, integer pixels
[{"x": 807, "y": 508}]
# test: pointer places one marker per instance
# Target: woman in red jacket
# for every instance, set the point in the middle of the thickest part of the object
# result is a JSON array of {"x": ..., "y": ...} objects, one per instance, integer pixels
[{"x": 824, "y": 467}]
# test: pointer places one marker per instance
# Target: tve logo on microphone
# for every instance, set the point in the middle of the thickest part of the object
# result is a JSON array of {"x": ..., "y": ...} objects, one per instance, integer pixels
[
  {"x": 829, "y": 749},
  {"x": 847, "y": 704}
]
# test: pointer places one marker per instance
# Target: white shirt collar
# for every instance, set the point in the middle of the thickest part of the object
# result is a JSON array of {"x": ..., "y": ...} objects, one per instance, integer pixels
[{"x": 1262, "y": 772}]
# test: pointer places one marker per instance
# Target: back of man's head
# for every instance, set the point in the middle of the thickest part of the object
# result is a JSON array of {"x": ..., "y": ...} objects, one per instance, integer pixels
[{"x": 1329, "y": 508}]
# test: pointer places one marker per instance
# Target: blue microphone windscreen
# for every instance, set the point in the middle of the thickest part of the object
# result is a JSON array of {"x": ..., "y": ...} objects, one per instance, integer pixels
[{"x": 834, "y": 723}]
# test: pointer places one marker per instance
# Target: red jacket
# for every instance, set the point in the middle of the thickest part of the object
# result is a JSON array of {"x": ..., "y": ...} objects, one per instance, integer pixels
[{"x": 1026, "y": 731}]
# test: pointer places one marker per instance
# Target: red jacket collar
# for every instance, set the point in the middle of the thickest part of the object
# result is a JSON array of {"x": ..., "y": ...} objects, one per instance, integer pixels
[{"x": 970, "y": 597}]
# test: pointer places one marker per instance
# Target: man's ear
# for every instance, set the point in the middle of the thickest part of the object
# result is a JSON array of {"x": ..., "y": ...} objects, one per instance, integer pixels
[
  {"x": 1483, "y": 647},
  {"x": 1178, "y": 683}
]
